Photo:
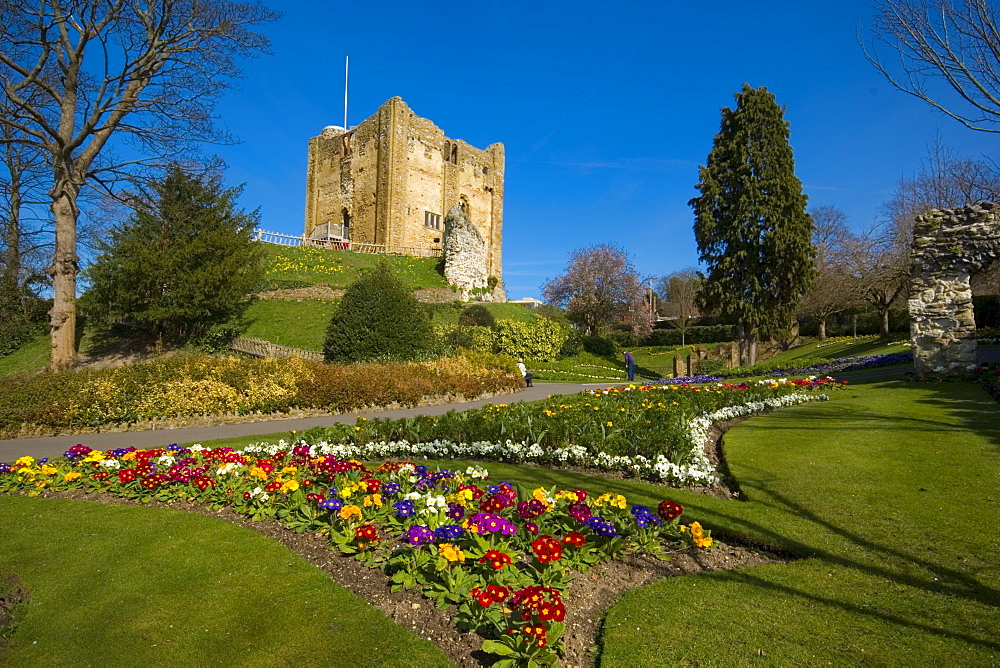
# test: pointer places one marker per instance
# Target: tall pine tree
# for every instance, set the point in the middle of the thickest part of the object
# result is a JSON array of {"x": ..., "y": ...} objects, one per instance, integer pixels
[
  {"x": 751, "y": 224},
  {"x": 185, "y": 263}
]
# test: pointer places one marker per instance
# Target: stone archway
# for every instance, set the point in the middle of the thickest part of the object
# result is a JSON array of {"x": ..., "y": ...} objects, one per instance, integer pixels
[{"x": 948, "y": 247}]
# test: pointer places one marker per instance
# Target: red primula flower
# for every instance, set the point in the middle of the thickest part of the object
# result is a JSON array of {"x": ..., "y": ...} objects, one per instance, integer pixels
[
  {"x": 127, "y": 475},
  {"x": 272, "y": 486},
  {"x": 669, "y": 510},
  {"x": 546, "y": 549},
  {"x": 574, "y": 538},
  {"x": 373, "y": 485},
  {"x": 366, "y": 532},
  {"x": 496, "y": 559},
  {"x": 203, "y": 482}
]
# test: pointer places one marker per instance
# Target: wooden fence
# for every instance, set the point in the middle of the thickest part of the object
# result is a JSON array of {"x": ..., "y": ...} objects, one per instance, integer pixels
[
  {"x": 259, "y": 348},
  {"x": 372, "y": 249}
]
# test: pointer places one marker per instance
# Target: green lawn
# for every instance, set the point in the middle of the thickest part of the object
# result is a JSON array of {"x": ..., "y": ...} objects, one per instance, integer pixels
[
  {"x": 339, "y": 268},
  {"x": 844, "y": 347},
  {"x": 29, "y": 358},
  {"x": 290, "y": 323},
  {"x": 131, "y": 586}
]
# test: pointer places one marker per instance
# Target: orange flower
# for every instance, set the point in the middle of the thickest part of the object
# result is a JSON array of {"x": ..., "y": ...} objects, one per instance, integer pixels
[{"x": 349, "y": 511}]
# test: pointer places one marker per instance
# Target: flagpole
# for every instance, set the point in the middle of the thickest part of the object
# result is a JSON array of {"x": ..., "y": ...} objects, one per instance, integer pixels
[{"x": 346, "y": 69}]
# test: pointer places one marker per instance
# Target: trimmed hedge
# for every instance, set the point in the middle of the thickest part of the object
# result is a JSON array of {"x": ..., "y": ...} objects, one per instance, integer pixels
[
  {"x": 187, "y": 386},
  {"x": 540, "y": 339}
]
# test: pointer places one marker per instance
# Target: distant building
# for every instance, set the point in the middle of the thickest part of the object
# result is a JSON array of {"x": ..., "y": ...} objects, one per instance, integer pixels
[
  {"x": 391, "y": 180},
  {"x": 527, "y": 302}
]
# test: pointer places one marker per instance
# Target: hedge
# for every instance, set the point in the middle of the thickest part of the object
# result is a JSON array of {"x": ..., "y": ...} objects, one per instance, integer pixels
[{"x": 696, "y": 334}]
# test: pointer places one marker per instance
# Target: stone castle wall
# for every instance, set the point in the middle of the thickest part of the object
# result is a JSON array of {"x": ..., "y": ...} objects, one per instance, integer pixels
[
  {"x": 392, "y": 170},
  {"x": 948, "y": 247}
]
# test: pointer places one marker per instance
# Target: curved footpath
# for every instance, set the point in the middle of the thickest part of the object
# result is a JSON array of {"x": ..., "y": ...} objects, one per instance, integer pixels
[{"x": 53, "y": 446}]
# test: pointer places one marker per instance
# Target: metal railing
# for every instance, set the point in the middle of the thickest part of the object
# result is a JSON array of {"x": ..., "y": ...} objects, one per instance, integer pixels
[{"x": 358, "y": 247}]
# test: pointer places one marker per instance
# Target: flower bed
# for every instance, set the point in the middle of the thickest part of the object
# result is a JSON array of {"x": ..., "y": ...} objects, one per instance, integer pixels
[
  {"x": 501, "y": 558},
  {"x": 187, "y": 386},
  {"x": 654, "y": 432}
]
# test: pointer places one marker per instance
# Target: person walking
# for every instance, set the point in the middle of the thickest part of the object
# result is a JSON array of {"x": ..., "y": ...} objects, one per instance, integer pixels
[{"x": 630, "y": 365}]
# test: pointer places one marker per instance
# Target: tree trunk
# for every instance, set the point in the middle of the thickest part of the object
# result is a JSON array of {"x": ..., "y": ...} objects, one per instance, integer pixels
[
  {"x": 751, "y": 347},
  {"x": 884, "y": 324},
  {"x": 822, "y": 329},
  {"x": 65, "y": 265}
]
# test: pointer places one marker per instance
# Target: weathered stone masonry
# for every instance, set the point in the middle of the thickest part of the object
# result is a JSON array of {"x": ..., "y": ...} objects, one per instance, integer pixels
[
  {"x": 948, "y": 247},
  {"x": 391, "y": 180}
]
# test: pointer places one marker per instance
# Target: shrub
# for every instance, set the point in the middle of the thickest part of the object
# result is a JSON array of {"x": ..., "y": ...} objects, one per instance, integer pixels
[
  {"x": 192, "y": 385},
  {"x": 598, "y": 345},
  {"x": 573, "y": 345},
  {"x": 378, "y": 319},
  {"x": 540, "y": 340}
]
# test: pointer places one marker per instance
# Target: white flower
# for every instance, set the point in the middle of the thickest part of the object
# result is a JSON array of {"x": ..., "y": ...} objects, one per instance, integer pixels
[
  {"x": 111, "y": 463},
  {"x": 165, "y": 460}
]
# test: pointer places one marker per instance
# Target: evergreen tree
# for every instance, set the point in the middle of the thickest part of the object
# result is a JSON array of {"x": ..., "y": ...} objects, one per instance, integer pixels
[
  {"x": 184, "y": 263},
  {"x": 751, "y": 224},
  {"x": 378, "y": 319}
]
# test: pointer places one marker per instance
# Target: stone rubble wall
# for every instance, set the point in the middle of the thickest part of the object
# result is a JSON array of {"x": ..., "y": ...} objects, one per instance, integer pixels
[
  {"x": 948, "y": 246},
  {"x": 466, "y": 257}
]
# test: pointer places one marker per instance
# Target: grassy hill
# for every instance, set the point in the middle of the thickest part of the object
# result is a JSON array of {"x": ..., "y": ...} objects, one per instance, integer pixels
[{"x": 339, "y": 268}]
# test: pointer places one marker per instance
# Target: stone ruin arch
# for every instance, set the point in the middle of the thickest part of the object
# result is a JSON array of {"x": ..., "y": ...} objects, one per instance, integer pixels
[{"x": 948, "y": 247}]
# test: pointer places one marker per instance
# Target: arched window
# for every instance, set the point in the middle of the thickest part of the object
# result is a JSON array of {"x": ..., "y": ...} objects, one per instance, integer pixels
[
  {"x": 454, "y": 154},
  {"x": 346, "y": 229}
]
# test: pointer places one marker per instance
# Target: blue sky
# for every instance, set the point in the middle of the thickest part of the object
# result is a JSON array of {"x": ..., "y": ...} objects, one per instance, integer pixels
[{"x": 606, "y": 110}]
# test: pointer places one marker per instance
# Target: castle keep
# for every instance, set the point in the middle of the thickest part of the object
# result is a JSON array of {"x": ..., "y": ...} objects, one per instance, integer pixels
[{"x": 391, "y": 180}]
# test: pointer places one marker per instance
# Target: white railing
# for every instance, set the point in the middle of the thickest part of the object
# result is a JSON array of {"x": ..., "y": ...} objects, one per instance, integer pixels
[{"x": 372, "y": 249}]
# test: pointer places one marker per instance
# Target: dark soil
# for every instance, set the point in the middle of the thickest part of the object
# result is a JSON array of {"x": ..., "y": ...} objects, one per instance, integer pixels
[
  {"x": 587, "y": 600},
  {"x": 13, "y": 595}
]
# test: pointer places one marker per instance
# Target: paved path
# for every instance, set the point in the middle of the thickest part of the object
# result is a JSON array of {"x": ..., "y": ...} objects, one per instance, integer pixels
[{"x": 52, "y": 446}]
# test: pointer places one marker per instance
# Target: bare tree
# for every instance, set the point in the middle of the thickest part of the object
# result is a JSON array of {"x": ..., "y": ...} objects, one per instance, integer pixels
[
  {"x": 679, "y": 304},
  {"x": 600, "y": 288},
  {"x": 956, "y": 42},
  {"x": 832, "y": 291},
  {"x": 878, "y": 269},
  {"x": 145, "y": 73}
]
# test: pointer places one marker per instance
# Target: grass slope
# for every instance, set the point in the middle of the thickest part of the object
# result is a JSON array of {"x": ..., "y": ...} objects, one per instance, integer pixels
[
  {"x": 130, "y": 586},
  {"x": 29, "y": 358},
  {"x": 339, "y": 268},
  {"x": 844, "y": 347},
  {"x": 297, "y": 324}
]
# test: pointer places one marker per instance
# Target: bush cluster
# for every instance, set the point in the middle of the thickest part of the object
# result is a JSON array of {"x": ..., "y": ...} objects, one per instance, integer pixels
[
  {"x": 599, "y": 345},
  {"x": 193, "y": 385},
  {"x": 540, "y": 339}
]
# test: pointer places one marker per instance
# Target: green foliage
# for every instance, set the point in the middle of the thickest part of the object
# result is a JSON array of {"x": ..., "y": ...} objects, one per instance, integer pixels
[
  {"x": 183, "y": 263},
  {"x": 751, "y": 224},
  {"x": 22, "y": 316},
  {"x": 541, "y": 339},
  {"x": 573, "y": 345},
  {"x": 488, "y": 315},
  {"x": 599, "y": 345},
  {"x": 378, "y": 319}
]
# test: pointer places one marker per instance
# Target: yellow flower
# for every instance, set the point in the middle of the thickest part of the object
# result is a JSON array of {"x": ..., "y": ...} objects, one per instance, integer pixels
[
  {"x": 349, "y": 511},
  {"x": 94, "y": 456},
  {"x": 129, "y": 456},
  {"x": 611, "y": 424},
  {"x": 24, "y": 461},
  {"x": 289, "y": 469},
  {"x": 567, "y": 494},
  {"x": 290, "y": 486},
  {"x": 696, "y": 530},
  {"x": 616, "y": 500},
  {"x": 451, "y": 552},
  {"x": 49, "y": 470},
  {"x": 373, "y": 500},
  {"x": 257, "y": 472},
  {"x": 703, "y": 542},
  {"x": 71, "y": 476}
]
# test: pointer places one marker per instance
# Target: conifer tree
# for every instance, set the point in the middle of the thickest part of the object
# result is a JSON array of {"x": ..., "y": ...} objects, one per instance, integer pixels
[
  {"x": 751, "y": 224},
  {"x": 185, "y": 262},
  {"x": 378, "y": 319}
]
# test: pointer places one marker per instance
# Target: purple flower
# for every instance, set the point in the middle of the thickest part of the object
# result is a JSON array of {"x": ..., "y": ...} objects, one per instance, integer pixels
[
  {"x": 331, "y": 504},
  {"x": 491, "y": 523},
  {"x": 530, "y": 527},
  {"x": 391, "y": 488},
  {"x": 579, "y": 511},
  {"x": 529, "y": 509},
  {"x": 601, "y": 527},
  {"x": 448, "y": 532},
  {"x": 405, "y": 508},
  {"x": 455, "y": 511},
  {"x": 419, "y": 534},
  {"x": 644, "y": 516}
]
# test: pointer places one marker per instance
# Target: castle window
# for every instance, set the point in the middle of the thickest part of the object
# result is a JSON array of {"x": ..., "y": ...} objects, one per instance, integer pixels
[
  {"x": 345, "y": 144},
  {"x": 345, "y": 231},
  {"x": 432, "y": 220},
  {"x": 454, "y": 154}
]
